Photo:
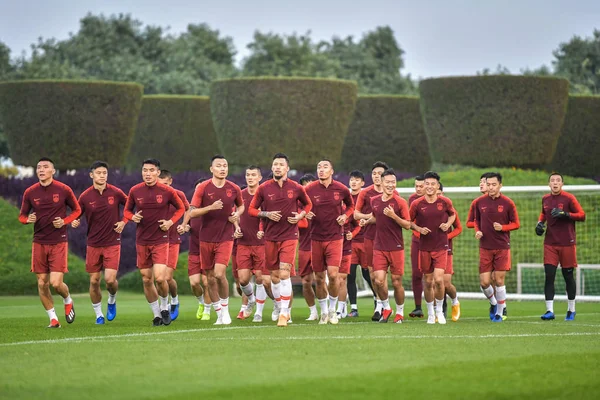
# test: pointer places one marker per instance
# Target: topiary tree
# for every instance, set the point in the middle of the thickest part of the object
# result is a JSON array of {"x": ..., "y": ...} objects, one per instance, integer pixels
[
  {"x": 178, "y": 130},
  {"x": 73, "y": 122},
  {"x": 387, "y": 128},
  {"x": 306, "y": 118},
  {"x": 493, "y": 120},
  {"x": 579, "y": 144}
]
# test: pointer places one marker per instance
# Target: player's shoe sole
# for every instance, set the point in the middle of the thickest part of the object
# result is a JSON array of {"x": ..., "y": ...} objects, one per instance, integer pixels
[
  {"x": 416, "y": 313},
  {"x": 54, "y": 324},
  {"x": 100, "y": 321},
  {"x": 166, "y": 317},
  {"x": 111, "y": 311},
  {"x": 70, "y": 313},
  {"x": 548, "y": 316}
]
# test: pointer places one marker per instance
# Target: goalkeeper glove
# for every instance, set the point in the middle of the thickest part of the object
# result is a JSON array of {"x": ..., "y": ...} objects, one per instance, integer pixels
[
  {"x": 539, "y": 228},
  {"x": 558, "y": 213}
]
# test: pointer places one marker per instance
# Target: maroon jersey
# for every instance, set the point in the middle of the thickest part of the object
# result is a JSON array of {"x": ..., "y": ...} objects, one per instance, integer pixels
[
  {"x": 360, "y": 234},
  {"x": 363, "y": 205},
  {"x": 471, "y": 215},
  {"x": 250, "y": 225},
  {"x": 350, "y": 226},
  {"x": 102, "y": 213},
  {"x": 432, "y": 215},
  {"x": 389, "y": 233},
  {"x": 271, "y": 197},
  {"x": 216, "y": 227},
  {"x": 501, "y": 210},
  {"x": 561, "y": 231},
  {"x": 454, "y": 231},
  {"x": 195, "y": 227},
  {"x": 174, "y": 237},
  {"x": 327, "y": 206},
  {"x": 415, "y": 234},
  {"x": 153, "y": 201},
  {"x": 48, "y": 203},
  {"x": 304, "y": 238}
]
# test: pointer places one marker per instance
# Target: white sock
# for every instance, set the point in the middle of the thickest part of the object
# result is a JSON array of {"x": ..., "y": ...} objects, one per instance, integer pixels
[
  {"x": 243, "y": 307},
  {"x": 399, "y": 309},
  {"x": 571, "y": 305},
  {"x": 112, "y": 298},
  {"x": 155, "y": 308},
  {"x": 175, "y": 300},
  {"x": 379, "y": 306},
  {"x": 217, "y": 307},
  {"x": 52, "y": 314},
  {"x": 439, "y": 306},
  {"x": 501, "y": 297},
  {"x": 385, "y": 304},
  {"x": 550, "y": 305},
  {"x": 285, "y": 290},
  {"x": 313, "y": 309},
  {"x": 323, "y": 305},
  {"x": 489, "y": 293},
  {"x": 261, "y": 297},
  {"x": 332, "y": 303},
  {"x": 164, "y": 303},
  {"x": 455, "y": 301},
  {"x": 68, "y": 300},
  {"x": 200, "y": 299},
  {"x": 353, "y": 307},
  {"x": 276, "y": 289},
  {"x": 249, "y": 291},
  {"x": 341, "y": 306},
  {"x": 98, "y": 309},
  {"x": 430, "y": 310},
  {"x": 224, "y": 303}
]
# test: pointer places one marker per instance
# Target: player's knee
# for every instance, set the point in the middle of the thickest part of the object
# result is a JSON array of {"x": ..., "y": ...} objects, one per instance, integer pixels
[
  {"x": 110, "y": 281},
  {"x": 378, "y": 281},
  {"x": 43, "y": 285},
  {"x": 56, "y": 284}
]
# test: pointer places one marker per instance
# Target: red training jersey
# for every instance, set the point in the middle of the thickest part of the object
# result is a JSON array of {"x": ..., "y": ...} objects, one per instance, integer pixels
[
  {"x": 174, "y": 237},
  {"x": 101, "y": 211},
  {"x": 388, "y": 233},
  {"x": 413, "y": 197},
  {"x": 501, "y": 210},
  {"x": 432, "y": 215},
  {"x": 455, "y": 230},
  {"x": 363, "y": 205},
  {"x": 249, "y": 225},
  {"x": 327, "y": 206},
  {"x": 195, "y": 228},
  {"x": 153, "y": 201},
  {"x": 48, "y": 203},
  {"x": 360, "y": 235},
  {"x": 561, "y": 231},
  {"x": 272, "y": 197},
  {"x": 471, "y": 214}
]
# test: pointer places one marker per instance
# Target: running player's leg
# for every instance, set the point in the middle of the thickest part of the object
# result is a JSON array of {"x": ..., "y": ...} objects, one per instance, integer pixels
[{"x": 96, "y": 296}]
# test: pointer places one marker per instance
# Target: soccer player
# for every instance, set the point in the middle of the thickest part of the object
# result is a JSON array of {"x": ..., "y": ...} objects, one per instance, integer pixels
[
  {"x": 305, "y": 269},
  {"x": 417, "y": 275},
  {"x": 359, "y": 257},
  {"x": 100, "y": 204},
  {"x": 166, "y": 178},
  {"x": 251, "y": 250},
  {"x": 151, "y": 201},
  {"x": 276, "y": 201},
  {"x": 450, "y": 289},
  {"x": 363, "y": 212},
  {"x": 390, "y": 212},
  {"x": 214, "y": 200},
  {"x": 196, "y": 275},
  {"x": 432, "y": 216},
  {"x": 560, "y": 210},
  {"x": 327, "y": 236},
  {"x": 495, "y": 216},
  {"x": 45, "y": 205}
]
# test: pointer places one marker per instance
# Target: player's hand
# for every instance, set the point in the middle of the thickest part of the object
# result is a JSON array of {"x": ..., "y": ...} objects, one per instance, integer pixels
[
  {"x": 165, "y": 224},
  {"x": 119, "y": 226},
  {"x": 274, "y": 215},
  {"x": 445, "y": 226},
  {"x": 75, "y": 223},
  {"x": 260, "y": 234},
  {"x": 234, "y": 217},
  {"x": 295, "y": 219},
  {"x": 558, "y": 213},
  {"x": 423, "y": 231},
  {"x": 478, "y": 235},
  {"x": 342, "y": 219},
  {"x": 217, "y": 205},
  {"x": 389, "y": 211},
  {"x": 363, "y": 222},
  {"x": 310, "y": 215},
  {"x": 137, "y": 217},
  {"x": 58, "y": 222},
  {"x": 31, "y": 218},
  {"x": 349, "y": 236},
  {"x": 497, "y": 226},
  {"x": 238, "y": 232},
  {"x": 181, "y": 229},
  {"x": 539, "y": 228}
]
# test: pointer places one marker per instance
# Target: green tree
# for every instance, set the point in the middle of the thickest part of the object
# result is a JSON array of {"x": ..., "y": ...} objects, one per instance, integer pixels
[
  {"x": 579, "y": 61},
  {"x": 5, "y": 64}
]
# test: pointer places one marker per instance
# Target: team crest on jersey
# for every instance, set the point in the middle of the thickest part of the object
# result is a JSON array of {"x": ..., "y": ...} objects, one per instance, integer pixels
[
  {"x": 290, "y": 194},
  {"x": 500, "y": 208},
  {"x": 111, "y": 200},
  {"x": 229, "y": 192},
  {"x": 440, "y": 206},
  {"x": 159, "y": 198},
  {"x": 561, "y": 206},
  {"x": 55, "y": 198},
  {"x": 336, "y": 196}
]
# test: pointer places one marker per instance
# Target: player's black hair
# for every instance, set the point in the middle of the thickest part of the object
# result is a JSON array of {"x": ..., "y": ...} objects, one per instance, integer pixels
[
  {"x": 441, "y": 186},
  {"x": 328, "y": 160},
  {"x": 496, "y": 175},
  {"x": 389, "y": 171},
  {"x": 357, "y": 174},
  {"x": 242, "y": 187},
  {"x": 98, "y": 164},
  {"x": 284, "y": 156},
  {"x": 254, "y": 167},
  {"x": 419, "y": 178},
  {"x": 46, "y": 159},
  {"x": 199, "y": 181},
  {"x": 307, "y": 178},
  {"x": 431, "y": 174},
  {"x": 217, "y": 157},
  {"x": 485, "y": 175},
  {"x": 379, "y": 164},
  {"x": 165, "y": 174},
  {"x": 556, "y": 174},
  {"x": 152, "y": 161}
]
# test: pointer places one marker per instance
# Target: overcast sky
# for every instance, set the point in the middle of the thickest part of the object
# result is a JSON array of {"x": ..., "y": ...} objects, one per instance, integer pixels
[{"x": 439, "y": 37}]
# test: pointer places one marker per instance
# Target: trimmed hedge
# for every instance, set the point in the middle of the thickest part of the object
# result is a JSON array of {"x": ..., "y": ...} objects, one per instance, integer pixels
[
  {"x": 494, "y": 120},
  {"x": 578, "y": 150},
  {"x": 305, "y": 118},
  {"x": 178, "y": 130},
  {"x": 387, "y": 128},
  {"x": 72, "y": 122}
]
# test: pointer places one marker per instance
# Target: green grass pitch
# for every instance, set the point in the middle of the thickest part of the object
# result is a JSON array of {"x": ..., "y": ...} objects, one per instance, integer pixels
[{"x": 522, "y": 357}]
